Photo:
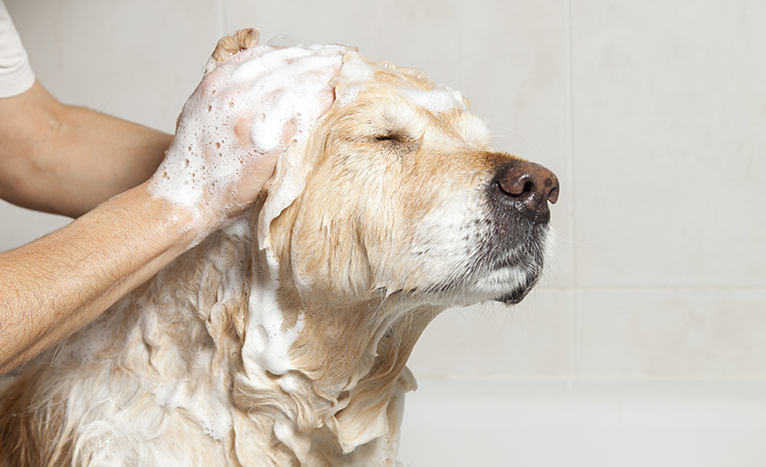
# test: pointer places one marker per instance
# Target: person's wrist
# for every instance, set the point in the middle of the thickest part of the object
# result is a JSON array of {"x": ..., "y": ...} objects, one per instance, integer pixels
[{"x": 170, "y": 225}]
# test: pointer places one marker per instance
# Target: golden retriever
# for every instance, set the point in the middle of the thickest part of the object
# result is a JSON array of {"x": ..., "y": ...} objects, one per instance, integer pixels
[{"x": 282, "y": 339}]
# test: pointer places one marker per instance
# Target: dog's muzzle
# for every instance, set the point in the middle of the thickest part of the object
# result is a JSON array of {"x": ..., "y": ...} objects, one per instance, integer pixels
[{"x": 518, "y": 197}]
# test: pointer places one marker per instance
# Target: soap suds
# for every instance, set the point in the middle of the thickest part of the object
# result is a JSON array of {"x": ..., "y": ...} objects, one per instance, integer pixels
[
  {"x": 259, "y": 101},
  {"x": 438, "y": 100},
  {"x": 266, "y": 344},
  {"x": 357, "y": 72}
]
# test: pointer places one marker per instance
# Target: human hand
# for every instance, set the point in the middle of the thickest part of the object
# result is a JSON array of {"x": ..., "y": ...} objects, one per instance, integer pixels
[{"x": 236, "y": 124}]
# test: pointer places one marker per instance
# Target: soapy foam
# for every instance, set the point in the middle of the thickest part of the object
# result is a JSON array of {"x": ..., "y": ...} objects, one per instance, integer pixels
[
  {"x": 357, "y": 72},
  {"x": 438, "y": 100},
  {"x": 266, "y": 345},
  {"x": 354, "y": 76}
]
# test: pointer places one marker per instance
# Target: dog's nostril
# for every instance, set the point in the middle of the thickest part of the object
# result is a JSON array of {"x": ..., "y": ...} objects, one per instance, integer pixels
[
  {"x": 530, "y": 187},
  {"x": 553, "y": 195}
]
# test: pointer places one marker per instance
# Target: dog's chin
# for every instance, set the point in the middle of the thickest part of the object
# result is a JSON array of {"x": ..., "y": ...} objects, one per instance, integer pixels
[
  {"x": 508, "y": 285},
  {"x": 519, "y": 288},
  {"x": 515, "y": 297}
]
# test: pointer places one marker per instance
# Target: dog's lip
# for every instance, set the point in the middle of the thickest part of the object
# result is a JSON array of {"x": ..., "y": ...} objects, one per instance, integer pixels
[
  {"x": 522, "y": 288},
  {"x": 516, "y": 296}
]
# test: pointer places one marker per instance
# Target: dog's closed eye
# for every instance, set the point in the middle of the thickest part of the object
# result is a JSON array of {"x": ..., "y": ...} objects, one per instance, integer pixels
[
  {"x": 398, "y": 141},
  {"x": 393, "y": 137}
]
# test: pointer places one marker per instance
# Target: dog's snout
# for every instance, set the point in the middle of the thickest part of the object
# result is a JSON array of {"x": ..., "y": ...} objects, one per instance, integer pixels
[{"x": 529, "y": 187}]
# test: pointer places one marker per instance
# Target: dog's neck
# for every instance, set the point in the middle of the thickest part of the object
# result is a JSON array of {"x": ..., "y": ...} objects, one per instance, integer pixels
[{"x": 338, "y": 391}]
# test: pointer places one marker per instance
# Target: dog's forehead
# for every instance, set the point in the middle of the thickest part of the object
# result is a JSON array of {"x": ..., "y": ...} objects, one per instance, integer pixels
[{"x": 359, "y": 74}]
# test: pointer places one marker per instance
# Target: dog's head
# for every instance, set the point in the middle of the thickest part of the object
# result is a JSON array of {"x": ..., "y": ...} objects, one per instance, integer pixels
[{"x": 403, "y": 193}]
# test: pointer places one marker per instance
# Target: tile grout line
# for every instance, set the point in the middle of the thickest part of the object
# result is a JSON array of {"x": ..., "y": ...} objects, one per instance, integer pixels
[{"x": 570, "y": 177}]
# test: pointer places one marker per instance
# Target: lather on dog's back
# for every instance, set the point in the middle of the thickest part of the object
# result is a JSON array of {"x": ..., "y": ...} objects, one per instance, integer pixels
[{"x": 282, "y": 339}]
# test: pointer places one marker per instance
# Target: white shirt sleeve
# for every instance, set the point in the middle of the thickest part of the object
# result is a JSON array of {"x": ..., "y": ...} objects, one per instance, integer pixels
[{"x": 16, "y": 74}]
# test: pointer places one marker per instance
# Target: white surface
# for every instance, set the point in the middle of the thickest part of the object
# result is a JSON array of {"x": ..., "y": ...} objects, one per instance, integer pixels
[{"x": 495, "y": 423}]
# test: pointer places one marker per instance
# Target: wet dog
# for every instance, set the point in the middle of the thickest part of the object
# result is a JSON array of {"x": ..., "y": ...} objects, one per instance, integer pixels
[{"x": 282, "y": 339}]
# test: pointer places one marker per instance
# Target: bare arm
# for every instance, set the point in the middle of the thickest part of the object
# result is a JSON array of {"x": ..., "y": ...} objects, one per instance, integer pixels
[
  {"x": 66, "y": 160},
  {"x": 57, "y": 284}
]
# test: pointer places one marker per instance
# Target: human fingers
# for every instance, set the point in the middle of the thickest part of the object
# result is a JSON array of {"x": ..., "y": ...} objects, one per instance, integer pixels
[{"x": 257, "y": 103}]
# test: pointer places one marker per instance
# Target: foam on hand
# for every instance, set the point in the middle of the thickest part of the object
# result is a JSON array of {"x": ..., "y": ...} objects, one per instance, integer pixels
[{"x": 258, "y": 102}]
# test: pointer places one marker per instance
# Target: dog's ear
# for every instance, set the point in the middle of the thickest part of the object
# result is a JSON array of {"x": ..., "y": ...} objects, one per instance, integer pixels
[
  {"x": 284, "y": 187},
  {"x": 232, "y": 44},
  {"x": 289, "y": 178}
]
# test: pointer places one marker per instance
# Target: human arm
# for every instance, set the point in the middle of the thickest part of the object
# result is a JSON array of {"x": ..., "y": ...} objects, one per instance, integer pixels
[
  {"x": 58, "y": 283},
  {"x": 53, "y": 286},
  {"x": 74, "y": 161},
  {"x": 66, "y": 160}
]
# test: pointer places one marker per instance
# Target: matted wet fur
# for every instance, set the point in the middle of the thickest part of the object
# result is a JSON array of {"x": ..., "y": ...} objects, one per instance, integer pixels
[{"x": 398, "y": 219}]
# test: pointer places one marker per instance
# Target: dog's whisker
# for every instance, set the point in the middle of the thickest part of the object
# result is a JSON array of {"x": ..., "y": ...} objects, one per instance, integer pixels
[{"x": 537, "y": 151}]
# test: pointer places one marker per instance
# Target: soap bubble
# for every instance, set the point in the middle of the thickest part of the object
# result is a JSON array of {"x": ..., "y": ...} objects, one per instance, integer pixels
[{"x": 283, "y": 40}]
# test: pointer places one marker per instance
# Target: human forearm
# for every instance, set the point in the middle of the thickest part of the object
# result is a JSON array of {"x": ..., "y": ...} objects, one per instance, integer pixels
[
  {"x": 99, "y": 157},
  {"x": 59, "y": 283},
  {"x": 65, "y": 159}
]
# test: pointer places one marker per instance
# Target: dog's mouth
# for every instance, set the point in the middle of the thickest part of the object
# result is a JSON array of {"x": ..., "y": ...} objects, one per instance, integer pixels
[
  {"x": 518, "y": 294},
  {"x": 504, "y": 275},
  {"x": 515, "y": 284},
  {"x": 515, "y": 271}
]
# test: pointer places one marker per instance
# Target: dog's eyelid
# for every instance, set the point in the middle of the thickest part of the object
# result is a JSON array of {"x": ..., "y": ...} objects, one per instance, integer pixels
[
  {"x": 393, "y": 136},
  {"x": 396, "y": 136}
]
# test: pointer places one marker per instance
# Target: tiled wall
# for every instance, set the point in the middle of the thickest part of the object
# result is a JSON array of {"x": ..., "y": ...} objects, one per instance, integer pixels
[{"x": 652, "y": 113}]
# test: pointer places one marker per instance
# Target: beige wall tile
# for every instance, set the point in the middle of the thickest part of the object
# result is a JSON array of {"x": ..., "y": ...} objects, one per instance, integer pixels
[
  {"x": 584, "y": 424},
  {"x": 669, "y": 112},
  {"x": 491, "y": 340},
  {"x": 671, "y": 333}
]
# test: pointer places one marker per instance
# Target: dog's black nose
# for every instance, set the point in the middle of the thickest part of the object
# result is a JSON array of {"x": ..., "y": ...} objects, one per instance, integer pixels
[{"x": 529, "y": 187}]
